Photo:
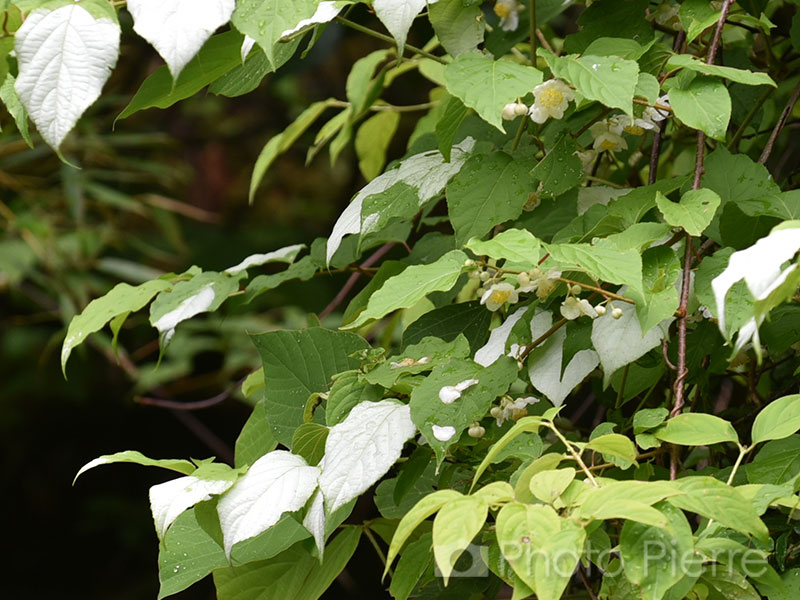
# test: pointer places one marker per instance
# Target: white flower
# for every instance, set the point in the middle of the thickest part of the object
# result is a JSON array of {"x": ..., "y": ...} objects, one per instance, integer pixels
[
  {"x": 443, "y": 432},
  {"x": 656, "y": 115},
  {"x": 607, "y": 137},
  {"x": 450, "y": 393},
  {"x": 551, "y": 100},
  {"x": 499, "y": 294},
  {"x": 572, "y": 308},
  {"x": 512, "y": 409},
  {"x": 513, "y": 110},
  {"x": 634, "y": 126},
  {"x": 508, "y": 11}
]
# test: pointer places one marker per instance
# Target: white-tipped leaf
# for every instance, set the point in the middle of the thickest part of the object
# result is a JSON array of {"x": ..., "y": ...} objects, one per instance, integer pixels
[
  {"x": 314, "y": 521},
  {"x": 177, "y": 29},
  {"x": 496, "y": 346},
  {"x": 276, "y": 483},
  {"x": 168, "y": 500},
  {"x": 398, "y": 15},
  {"x": 326, "y": 12},
  {"x": 362, "y": 448},
  {"x": 65, "y": 57},
  {"x": 285, "y": 255}
]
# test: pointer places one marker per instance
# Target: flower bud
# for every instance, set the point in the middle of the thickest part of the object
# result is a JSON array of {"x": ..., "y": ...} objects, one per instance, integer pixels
[
  {"x": 476, "y": 431},
  {"x": 485, "y": 276},
  {"x": 496, "y": 412},
  {"x": 576, "y": 289},
  {"x": 600, "y": 309},
  {"x": 523, "y": 279},
  {"x": 616, "y": 313},
  {"x": 469, "y": 263}
]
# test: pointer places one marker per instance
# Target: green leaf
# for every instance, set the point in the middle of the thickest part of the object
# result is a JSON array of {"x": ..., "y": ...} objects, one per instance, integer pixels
[
  {"x": 515, "y": 245},
  {"x": 487, "y": 85},
  {"x": 548, "y": 485},
  {"x": 522, "y": 530},
  {"x": 8, "y": 94},
  {"x": 606, "y": 264},
  {"x": 458, "y": 25},
  {"x": 776, "y": 463},
  {"x": 246, "y": 77},
  {"x": 608, "y": 79},
  {"x": 489, "y": 190},
  {"x": 372, "y": 142},
  {"x": 348, "y": 391},
  {"x": 649, "y": 418},
  {"x": 560, "y": 170},
  {"x": 661, "y": 269},
  {"x": 413, "y": 563},
  {"x": 559, "y": 557},
  {"x": 266, "y": 20},
  {"x": 360, "y": 88},
  {"x": 421, "y": 511},
  {"x": 628, "y": 500},
  {"x": 524, "y": 425},
  {"x": 743, "y": 76},
  {"x": 202, "y": 293},
  {"x": 696, "y": 429},
  {"x": 255, "y": 439},
  {"x": 456, "y": 523},
  {"x": 647, "y": 87},
  {"x": 620, "y": 19},
  {"x": 219, "y": 55},
  {"x": 778, "y": 420},
  {"x": 280, "y": 143},
  {"x": 696, "y": 16},
  {"x": 613, "y": 46},
  {"x": 711, "y": 498},
  {"x": 304, "y": 269},
  {"x": 705, "y": 105},
  {"x": 291, "y": 575},
  {"x": 418, "y": 358},
  {"x": 122, "y": 298},
  {"x": 187, "y": 555},
  {"x": 655, "y": 558},
  {"x": 694, "y": 212},
  {"x": 448, "y": 322},
  {"x": 429, "y": 410},
  {"x": 448, "y": 124},
  {"x": 132, "y": 456},
  {"x": 411, "y": 286},
  {"x": 726, "y": 584},
  {"x": 308, "y": 441},
  {"x": 298, "y": 364},
  {"x": 614, "y": 444}
]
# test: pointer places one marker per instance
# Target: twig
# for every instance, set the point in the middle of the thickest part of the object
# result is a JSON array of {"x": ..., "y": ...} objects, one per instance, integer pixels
[
  {"x": 678, "y": 386},
  {"x": 665, "y": 352},
  {"x": 205, "y": 435},
  {"x": 196, "y": 405},
  {"x": 543, "y": 41},
  {"x": 532, "y": 33},
  {"x": 351, "y": 281},
  {"x": 517, "y": 138},
  {"x": 529, "y": 348},
  {"x": 585, "y": 581},
  {"x": 599, "y": 290},
  {"x": 386, "y": 38},
  {"x": 779, "y": 125}
]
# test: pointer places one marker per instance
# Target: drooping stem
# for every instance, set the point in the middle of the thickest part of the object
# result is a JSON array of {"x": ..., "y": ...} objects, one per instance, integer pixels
[
  {"x": 386, "y": 38},
  {"x": 377, "y": 548},
  {"x": 532, "y": 25},
  {"x": 522, "y": 127},
  {"x": 572, "y": 452},
  {"x": 780, "y": 124},
  {"x": 743, "y": 450}
]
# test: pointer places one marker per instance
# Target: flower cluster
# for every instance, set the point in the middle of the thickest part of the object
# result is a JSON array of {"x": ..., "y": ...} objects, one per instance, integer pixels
[
  {"x": 512, "y": 409},
  {"x": 496, "y": 294},
  {"x": 607, "y": 133}
]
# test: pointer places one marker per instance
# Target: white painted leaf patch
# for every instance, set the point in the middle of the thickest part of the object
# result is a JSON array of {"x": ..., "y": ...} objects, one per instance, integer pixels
[
  {"x": 362, "y": 448},
  {"x": 276, "y": 483},
  {"x": 544, "y": 365},
  {"x": 65, "y": 57},
  {"x": 427, "y": 172},
  {"x": 177, "y": 29},
  {"x": 168, "y": 500},
  {"x": 326, "y": 12},
  {"x": 620, "y": 341}
]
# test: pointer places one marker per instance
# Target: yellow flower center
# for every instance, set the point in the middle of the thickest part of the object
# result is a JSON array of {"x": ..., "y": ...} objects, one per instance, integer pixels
[
  {"x": 502, "y": 10},
  {"x": 608, "y": 144},
  {"x": 550, "y": 98},
  {"x": 499, "y": 296},
  {"x": 634, "y": 129}
]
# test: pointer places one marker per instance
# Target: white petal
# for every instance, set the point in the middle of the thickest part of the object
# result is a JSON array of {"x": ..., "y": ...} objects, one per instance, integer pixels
[
  {"x": 169, "y": 500},
  {"x": 466, "y": 384},
  {"x": 65, "y": 56},
  {"x": 443, "y": 432},
  {"x": 449, "y": 394},
  {"x": 496, "y": 346},
  {"x": 177, "y": 29},
  {"x": 276, "y": 483},
  {"x": 362, "y": 448}
]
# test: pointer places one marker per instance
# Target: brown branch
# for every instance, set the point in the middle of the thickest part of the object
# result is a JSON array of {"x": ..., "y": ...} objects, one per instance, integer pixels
[
  {"x": 586, "y": 584},
  {"x": 196, "y": 405},
  {"x": 351, "y": 281},
  {"x": 787, "y": 110},
  {"x": 529, "y": 348}
]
